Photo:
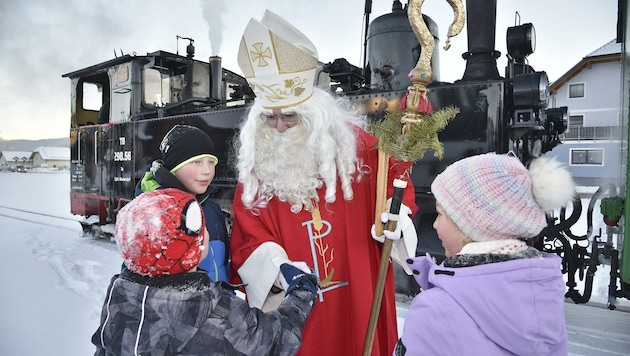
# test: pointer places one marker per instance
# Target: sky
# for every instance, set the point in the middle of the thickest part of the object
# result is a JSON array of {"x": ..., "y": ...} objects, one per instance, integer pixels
[
  {"x": 54, "y": 281},
  {"x": 40, "y": 40}
]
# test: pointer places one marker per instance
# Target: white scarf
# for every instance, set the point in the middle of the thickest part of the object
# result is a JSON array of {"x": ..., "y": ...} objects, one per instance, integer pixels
[{"x": 504, "y": 247}]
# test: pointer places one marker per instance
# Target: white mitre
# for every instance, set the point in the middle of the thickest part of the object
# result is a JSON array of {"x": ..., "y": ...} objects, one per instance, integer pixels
[{"x": 278, "y": 61}]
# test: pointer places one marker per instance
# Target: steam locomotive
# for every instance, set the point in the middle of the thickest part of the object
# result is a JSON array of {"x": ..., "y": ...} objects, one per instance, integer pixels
[{"x": 140, "y": 97}]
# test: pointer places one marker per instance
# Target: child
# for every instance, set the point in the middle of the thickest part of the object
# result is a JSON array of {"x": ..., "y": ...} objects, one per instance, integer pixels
[
  {"x": 188, "y": 163},
  {"x": 161, "y": 304},
  {"x": 493, "y": 294}
]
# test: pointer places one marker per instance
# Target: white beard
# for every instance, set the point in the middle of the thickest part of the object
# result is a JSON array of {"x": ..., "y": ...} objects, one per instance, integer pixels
[{"x": 286, "y": 168}]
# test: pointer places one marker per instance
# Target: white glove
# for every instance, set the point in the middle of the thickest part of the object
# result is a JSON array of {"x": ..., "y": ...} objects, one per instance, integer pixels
[
  {"x": 301, "y": 265},
  {"x": 392, "y": 235}
]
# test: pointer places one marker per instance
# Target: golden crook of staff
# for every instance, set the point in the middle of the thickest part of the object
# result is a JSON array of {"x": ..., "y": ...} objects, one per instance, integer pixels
[
  {"x": 425, "y": 37},
  {"x": 457, "y": 25}
]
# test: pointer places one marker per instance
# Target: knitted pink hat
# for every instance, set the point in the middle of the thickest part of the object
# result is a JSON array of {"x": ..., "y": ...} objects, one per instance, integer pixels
[
  {"x": 160, "y": 232},
  {"x": 494, "y": 197}
]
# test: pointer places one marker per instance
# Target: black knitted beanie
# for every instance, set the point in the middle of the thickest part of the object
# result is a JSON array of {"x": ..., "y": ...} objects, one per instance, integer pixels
[{"x": 184, "y": 143}]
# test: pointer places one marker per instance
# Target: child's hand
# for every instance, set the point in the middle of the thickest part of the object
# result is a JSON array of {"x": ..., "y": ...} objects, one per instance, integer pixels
[{"x": 297, "y": 275}]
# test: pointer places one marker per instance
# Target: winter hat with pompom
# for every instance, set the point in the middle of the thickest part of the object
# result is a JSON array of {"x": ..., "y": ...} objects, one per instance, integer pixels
[
  {"x": 184, "y": 144},
  {"x": 160, "y": 232},
  {"x": 494, "y": 197}
]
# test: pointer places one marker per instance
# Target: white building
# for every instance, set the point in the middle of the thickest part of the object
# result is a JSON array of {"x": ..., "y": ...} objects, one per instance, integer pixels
[
  {"x": 51, "y": 157},
  {"x": 11, "y": 159},
  {"x": 593, "y": 144}
]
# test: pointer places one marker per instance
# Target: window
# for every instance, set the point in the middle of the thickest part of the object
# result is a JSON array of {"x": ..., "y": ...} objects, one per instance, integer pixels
[
  {"x": 156, "y": 89},
  {"x": 590, "y": 157},
  {"x": 576, "y": 120},
  {"x": 92, "y": 96},
  {"x": 576, "y": 90}
]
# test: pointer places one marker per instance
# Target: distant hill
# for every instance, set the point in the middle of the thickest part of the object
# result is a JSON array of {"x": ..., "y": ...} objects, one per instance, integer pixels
[{"x": 30, "y": 145}]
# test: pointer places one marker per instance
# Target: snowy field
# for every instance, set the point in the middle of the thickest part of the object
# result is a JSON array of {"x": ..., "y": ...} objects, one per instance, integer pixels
[{"x": 54, "y": 281}]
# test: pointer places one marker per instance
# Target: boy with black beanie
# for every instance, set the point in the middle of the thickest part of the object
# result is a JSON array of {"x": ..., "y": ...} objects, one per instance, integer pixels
[{"x": 188, "y": 163}]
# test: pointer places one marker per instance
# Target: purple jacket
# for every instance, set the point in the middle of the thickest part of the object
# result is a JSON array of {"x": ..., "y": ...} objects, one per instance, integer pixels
[{"x": 502, "y": 308}]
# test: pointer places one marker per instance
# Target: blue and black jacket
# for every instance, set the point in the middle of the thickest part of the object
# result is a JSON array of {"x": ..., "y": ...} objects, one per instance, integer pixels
[{"x": 218, "y": 259}]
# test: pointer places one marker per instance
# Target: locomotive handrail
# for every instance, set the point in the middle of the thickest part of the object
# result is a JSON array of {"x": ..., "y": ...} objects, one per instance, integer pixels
[
  {"x": 79, "y": 160},
  {"x": 209, "y": 101},
  {"x": 96, "y": 148}
]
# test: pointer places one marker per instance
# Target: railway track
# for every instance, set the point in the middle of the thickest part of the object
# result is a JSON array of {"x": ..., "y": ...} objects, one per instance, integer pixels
[{"x": 38, "y": 217}]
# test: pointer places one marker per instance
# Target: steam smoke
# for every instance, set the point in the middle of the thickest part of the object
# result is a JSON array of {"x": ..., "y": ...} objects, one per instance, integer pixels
[{"x": 212, "y": 11}]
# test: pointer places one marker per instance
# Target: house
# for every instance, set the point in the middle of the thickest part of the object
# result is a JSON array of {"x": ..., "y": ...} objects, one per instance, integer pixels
[
  {"x": 593, "y": 145},
  {"x": 11, "y": 159},
  {"x": 51, "y": 157}
]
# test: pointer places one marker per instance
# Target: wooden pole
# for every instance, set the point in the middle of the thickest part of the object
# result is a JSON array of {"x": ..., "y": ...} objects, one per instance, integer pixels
[
  {"x": 381, "y": 190},
  {"x": 399, "y": 187}
]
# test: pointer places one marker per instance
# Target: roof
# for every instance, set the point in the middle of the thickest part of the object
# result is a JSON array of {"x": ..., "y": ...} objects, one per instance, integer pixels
[
  {"x": 13, "y": 155},
  {"x": 611, "y": 47},
  {"x": 53, "y": 153},
  {"x": 610, "y": 52}
]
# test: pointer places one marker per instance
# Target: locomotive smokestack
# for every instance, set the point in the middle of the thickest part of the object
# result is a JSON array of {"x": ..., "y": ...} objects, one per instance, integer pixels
[
  {"x": 481, "y": 58},
  {"x": 216, "y": 78}
]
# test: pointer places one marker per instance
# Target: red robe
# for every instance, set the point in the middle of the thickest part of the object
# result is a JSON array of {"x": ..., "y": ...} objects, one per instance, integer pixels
[{"x": 342, "y": 252}]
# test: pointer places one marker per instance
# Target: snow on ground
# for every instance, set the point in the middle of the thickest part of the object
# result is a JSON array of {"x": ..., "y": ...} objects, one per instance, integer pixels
[{"x": 54, "y": 281}]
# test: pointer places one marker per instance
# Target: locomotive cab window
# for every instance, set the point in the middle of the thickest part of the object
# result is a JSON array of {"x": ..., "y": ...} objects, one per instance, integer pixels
[
  {"x": 156, "y": 90},
  {"x": 168, "y": 81},
  {"x": 92, "y": 96},
  {"x": 163, "y": 82}
]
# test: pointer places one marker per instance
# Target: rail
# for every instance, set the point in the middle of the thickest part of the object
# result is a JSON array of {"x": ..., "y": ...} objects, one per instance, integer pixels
[{"x": 581, "y": 133}]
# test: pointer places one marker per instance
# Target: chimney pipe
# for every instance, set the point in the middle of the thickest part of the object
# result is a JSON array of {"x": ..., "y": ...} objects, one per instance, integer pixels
[
  {"x": 481, "y": 58},
  {"x": 216, "y": 78}
]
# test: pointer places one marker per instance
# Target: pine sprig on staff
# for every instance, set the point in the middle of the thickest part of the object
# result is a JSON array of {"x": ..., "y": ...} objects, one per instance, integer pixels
[{"x": 421, "y": 136}]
